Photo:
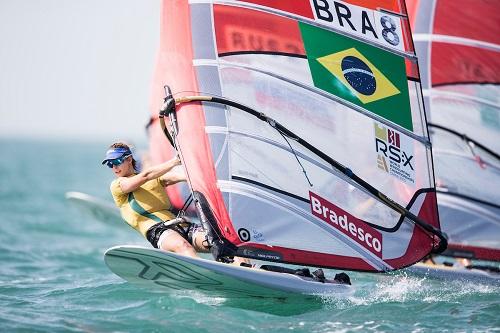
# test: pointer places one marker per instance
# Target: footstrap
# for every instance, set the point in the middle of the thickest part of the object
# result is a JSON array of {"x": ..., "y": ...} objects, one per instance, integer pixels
[{"x": 317, "y": 275}]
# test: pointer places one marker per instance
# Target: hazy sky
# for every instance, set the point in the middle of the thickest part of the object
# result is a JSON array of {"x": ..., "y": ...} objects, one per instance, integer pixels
[{"x": 77, "y": 68}]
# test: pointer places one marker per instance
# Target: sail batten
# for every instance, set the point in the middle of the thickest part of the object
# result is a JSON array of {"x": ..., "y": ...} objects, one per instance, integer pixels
[
  {"x": 456, "y": 40},
  {"x": 461, "y": 96}
]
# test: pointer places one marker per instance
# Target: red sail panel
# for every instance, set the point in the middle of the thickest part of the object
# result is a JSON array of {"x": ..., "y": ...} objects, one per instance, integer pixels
[
  {"x": 477, "y": 20},
  {"x": 473, "y": 252},
  {"x": 241, "y": 30},
  {"x": 456, "y": 64},
  {"x": 160, "y": 149},
  {"x": 412, "y": 71},
  {"x": 464, "y": 40},
  {"x": 298, "y": 7},
  {"x": 419, "y": 243},
  {"x": 175, "y": 67},
  {"x": 412, "y": 9}
]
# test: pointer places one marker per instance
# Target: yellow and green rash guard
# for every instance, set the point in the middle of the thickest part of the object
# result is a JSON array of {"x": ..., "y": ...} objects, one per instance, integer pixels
[{"x": 144, "y": 207}]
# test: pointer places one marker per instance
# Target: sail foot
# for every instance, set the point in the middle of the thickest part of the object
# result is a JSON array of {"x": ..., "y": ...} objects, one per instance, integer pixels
[{"x": 220, "y": 248}]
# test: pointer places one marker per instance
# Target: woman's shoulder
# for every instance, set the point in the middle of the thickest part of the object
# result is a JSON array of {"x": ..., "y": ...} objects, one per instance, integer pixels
[
  {"x": 115, "y": 186},
  {"x": 116, "y": 191}
]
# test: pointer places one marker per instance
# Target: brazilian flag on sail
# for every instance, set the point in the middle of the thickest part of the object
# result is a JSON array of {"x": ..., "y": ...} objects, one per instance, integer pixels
[{"x": 359, "y": 73}]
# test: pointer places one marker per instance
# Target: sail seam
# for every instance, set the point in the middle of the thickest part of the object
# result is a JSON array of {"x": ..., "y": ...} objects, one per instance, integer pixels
[{"x": 274, "y": 189}]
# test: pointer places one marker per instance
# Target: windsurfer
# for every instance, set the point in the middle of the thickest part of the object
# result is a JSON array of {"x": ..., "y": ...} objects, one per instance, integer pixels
[{"x": 145, "y": 206}]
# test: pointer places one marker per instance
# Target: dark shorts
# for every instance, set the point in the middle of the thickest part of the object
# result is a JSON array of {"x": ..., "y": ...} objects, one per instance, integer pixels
[{"x": 153, "y": 234}]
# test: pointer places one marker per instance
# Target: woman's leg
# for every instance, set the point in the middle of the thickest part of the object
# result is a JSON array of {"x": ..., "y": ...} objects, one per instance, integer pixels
[
  {"x": 200, "y": 243},
  {"x": 172, "y": 241},
  {"x": 199, "y": 239}
]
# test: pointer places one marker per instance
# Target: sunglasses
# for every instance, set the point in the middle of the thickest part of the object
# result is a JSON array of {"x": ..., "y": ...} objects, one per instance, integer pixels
[{"x": 116, "y": 161}]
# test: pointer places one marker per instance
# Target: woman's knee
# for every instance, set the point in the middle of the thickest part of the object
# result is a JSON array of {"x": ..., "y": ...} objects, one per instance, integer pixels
[
  {"x": 182, "y": 245},
  {"x": 200, "y": 241},
  {"x": 176, "y": 243}
]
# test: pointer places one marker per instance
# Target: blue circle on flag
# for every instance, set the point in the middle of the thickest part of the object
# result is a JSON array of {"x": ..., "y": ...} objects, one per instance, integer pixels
[{"x": 359, "y": 75}]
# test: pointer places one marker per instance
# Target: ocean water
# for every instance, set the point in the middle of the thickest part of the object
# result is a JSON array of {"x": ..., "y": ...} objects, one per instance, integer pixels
[{"x": 53, "y": 277}]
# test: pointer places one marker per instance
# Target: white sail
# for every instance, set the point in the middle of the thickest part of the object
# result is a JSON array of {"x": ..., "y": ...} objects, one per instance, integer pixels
[
  {"x": 458, "y": 46},
  {"x": 310, "y": 145}
]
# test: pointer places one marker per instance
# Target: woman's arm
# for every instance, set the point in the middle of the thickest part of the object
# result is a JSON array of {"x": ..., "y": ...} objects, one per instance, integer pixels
[
  {"x": 130, "y": 184},
  {"x": 173, "y": 177}
]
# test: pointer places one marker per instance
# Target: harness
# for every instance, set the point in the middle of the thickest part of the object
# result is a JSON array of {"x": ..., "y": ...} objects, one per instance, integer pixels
[{"x": 180, "y": 225}]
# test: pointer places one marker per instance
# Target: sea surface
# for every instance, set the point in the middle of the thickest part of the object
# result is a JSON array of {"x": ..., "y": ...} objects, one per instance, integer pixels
[{"x": 53, "y": 277}]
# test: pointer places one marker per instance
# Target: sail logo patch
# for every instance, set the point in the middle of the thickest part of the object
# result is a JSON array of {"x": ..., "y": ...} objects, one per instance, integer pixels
[
  {"x": 381, "y": 27},
  {"x": 394, "y": 153},
  {"x": 358, "y": 74},
  {"x": 346, "y": 223},
  {"x": 378, "y": 27}
]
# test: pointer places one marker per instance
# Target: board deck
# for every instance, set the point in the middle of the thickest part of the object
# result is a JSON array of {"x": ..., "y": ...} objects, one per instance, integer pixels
[
  {"x": 165, "y": 271},
  {"x": 453, "y": 273},
  {"x": 98, "y": 208}
]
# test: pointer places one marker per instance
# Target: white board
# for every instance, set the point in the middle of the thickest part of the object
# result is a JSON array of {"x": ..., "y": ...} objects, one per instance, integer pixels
[
  {"x": 98, "y": 208},
  {"x": 165, "y": 271},
  {"x": 454, "y": 273}
]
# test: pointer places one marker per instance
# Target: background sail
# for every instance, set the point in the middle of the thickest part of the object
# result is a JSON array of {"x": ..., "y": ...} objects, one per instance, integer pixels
[
  {"x": 341, "y": 76},
  {"x": 458, "y": 44}
]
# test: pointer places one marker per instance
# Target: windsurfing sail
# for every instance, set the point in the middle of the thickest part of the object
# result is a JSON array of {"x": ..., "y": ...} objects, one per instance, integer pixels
[
  {"x": 458, "y": 45},
  {"x": 301, "y": 127}
]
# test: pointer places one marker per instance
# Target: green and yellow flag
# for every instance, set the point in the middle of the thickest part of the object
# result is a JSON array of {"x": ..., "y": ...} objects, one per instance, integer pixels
[{"x": 359, "y": 73}]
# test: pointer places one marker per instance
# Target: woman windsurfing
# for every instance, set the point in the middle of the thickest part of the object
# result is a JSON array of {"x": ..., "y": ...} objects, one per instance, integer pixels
[{"x": 145, "y": 206}]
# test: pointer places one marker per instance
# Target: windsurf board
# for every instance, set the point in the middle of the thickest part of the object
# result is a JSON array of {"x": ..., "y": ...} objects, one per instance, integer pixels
[
  {"x": 155, "y": 269},
  {"x": 443, "y": 272},
  {"x": 98, "y": 208}
]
